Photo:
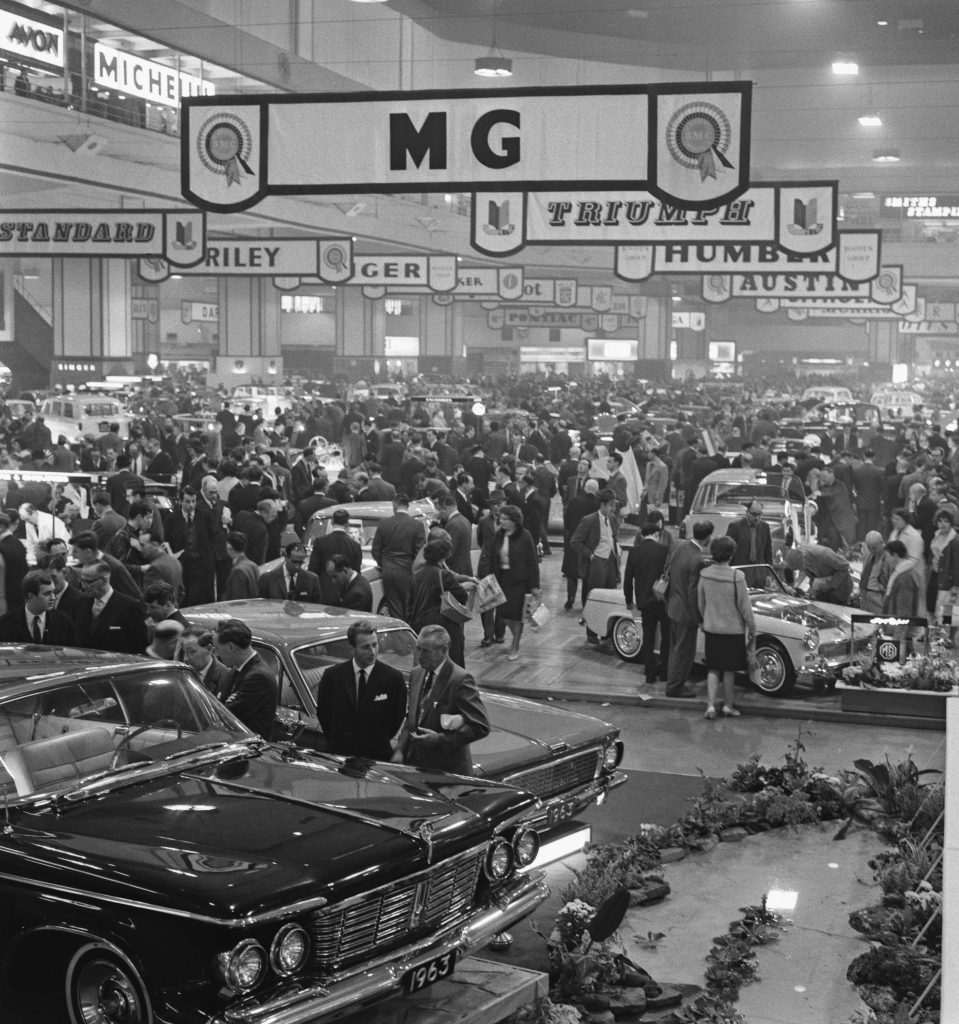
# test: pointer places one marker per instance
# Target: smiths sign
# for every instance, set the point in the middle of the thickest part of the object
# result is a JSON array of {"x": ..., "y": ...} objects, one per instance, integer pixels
[
  {"x": 176, "y": 235},
  {"x": 135, "y": 76},
  {"x": 36, "y": 41},
  {"x": 687, "y": 144}
]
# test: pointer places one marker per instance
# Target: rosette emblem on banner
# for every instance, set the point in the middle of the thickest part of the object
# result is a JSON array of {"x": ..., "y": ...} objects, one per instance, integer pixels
[
  {"x": 335, "y": 260},
  {"x": 223, "y": 163}
]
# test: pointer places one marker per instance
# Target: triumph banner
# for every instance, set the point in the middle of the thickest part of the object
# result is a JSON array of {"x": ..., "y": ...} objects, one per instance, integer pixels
[
  {"x": 686, "y": 143},
  {"x": 885, "y": 289},
  {"x": 798, "y": 217},
  {"x": 288, "y": 260},
  {"x": 855, "y": 257},
  {"x": 178, "y": 236}
]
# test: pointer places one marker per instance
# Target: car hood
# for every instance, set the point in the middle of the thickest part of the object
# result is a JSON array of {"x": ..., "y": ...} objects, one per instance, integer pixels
[
  {"x": 526, "y": 733},
  {"x": 799, "y": 611},
  {"x": 243, "y": 837}
]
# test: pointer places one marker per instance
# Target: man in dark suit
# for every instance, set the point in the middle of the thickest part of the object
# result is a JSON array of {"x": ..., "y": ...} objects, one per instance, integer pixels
[
  {"x": 682, "y": 606},
  {"x": 466, "y": 498},
  {"x": 196, "y": 649},
  {"x": 106, "y": 522},
  {"x": 378, "y": 489},
  {"x": 301, "y": 474},
  {"x": 336, "y": 541},
  {"x": 86, "y": 552},
  {"x": 868, "y": 479},
  {"x": 644, "y": 565},
  {"x": 596, "y": 543},
  {"x": 395, "y": 544},
  {"x": 65, "y": 596},
  {"x": 290, "y": 581},
  {"x": 37, "y": 621},
  {"x": 754, "y": 543},
  {"x": 354, "y": 588},
  {"x": 243, "y": 579},
  {"x": 361, "y": 702},
  {"x": 445, "y": 714},
  {"x": 251, "y": 693},
  {"x": 460, "y": 531},
  {"x": 313, "y": 502},
  {"x": 255, "y": 525},
  {"x": 14, "y": 563},
  {"x": 108, "y": 620}
]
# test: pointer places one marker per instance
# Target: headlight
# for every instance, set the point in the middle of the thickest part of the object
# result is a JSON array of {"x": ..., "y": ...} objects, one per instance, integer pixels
[
  {"x": 525, "y": 846},
  {"x": 244, "y": 966},
  {"x": 289, "y": 949},
  {"x": 499, "y": 860},
  {"x": 810, "y": 640},
  {"x": 612, "y": 755}
]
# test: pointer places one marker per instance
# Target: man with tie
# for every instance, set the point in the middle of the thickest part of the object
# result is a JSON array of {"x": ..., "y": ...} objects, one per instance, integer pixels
[
  {"x": 644, "y": 565},
  {"x": 192, "y": 540},
  {"x": 196, "y": 649},
  {"x": 445, "y": 714},
  {"x": 37, "y": 621},
  {"x": 596, "y": 543},
  {"x": 107, "y": 620},
  {"x": 252, "y": 693},
  {"x": 754, "y": 544},
  {"x": 290, "y": 581},
  {"x": 360, "y": 703}
]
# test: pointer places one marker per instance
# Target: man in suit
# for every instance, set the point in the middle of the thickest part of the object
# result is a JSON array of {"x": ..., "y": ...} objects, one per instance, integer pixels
[
  {"x": 301, "y": 474},
  {"x": 14, "y": 561},
  {"x": 596, "y": 544},
  {"x": 85, "y": 552},
  {"x": 243, "y": 579},
  {"x": 256, "y": 527},
  {"x": 644, "y": 565},
  {"x": 790, "y": 484},
  {"x": 252, "y": 692},
  {"x": 465, "y": 497},
  {"x": 191, "y": 539},
  {"x": 65, "y": 595},
  {"x": 106, "y": 521},
  {"x": 395, "y": 544},
  {"x": 159, "y": 566},
  {"x": 361, "y": 702},
  {"x": 616, "y": 481},
  {"x": 107, "y": 620},
  {"x": 37, "y": 621},
  {"x": 682, "y": 606},
  {"x": 875, "y": 574},
  {"x": 754, "y": 543},
  {"x": 354, "y": 588},
  {"x": 336, "y": 541},
  {"x": 290, "y": 581},
  {"x": 868, "y": 479},
  {"x": 196, "y": 649},
  {"x": 378, "y": 489},
  {"x": 161, "y": 605},
  {"x": 445, "y": 714},
  {"x": 461, "y": 533}
]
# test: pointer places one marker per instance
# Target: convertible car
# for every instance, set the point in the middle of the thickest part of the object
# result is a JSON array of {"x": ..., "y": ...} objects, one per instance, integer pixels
[
  {"x": 567, "y": 759},
  {"x": 160, "y": 864},
  {"x": 797, "y": 639}
]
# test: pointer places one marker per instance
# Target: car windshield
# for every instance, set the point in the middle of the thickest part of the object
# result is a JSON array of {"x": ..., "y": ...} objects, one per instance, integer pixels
[
  {"x": 65, "y": 731},
  {"x": 732, "y": 494},
  {"x": 101, "y": 409},
  {"x": 397, "y": 647}
]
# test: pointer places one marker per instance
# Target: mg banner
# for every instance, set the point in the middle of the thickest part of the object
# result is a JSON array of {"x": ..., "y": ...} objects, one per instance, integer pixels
[{"x": 685, "y": 143}]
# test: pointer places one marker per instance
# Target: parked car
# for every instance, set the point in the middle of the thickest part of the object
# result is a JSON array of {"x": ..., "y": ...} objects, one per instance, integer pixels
[
  {"x": 86, "y": 413},
  {"x": 567, "y": 759},
  {"x": 797, "y": 639},
  {"x": 160, "y": 863}
]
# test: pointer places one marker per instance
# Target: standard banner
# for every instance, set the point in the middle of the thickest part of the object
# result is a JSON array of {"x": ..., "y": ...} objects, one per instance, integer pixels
[
  {"x": 885, "y": 289},
  {"x": 798, "y": 217},
  {"x": 686, "y": 143},
  {"x": 290, "y": 259},
  {"x": 178, "y": 236},
  {"x": 855, "y": 258}
]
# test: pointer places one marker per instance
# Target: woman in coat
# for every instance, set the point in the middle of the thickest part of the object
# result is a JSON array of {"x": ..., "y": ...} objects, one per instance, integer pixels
[
  {"x": 943, "y": 588},
  {"x": 431, "y": 579},
  {"x": 577, "y": 507},
  {"x": 512, "y": 556}
]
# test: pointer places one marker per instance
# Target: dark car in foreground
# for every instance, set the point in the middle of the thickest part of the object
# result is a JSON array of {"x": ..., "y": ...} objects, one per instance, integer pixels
[
  {"x": 160, "y": 864},
  {"x": 567, "y": 759}
]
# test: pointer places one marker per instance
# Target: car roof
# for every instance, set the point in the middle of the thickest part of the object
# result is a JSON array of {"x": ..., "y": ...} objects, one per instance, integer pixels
[
  {"x": 419, "y": 509},
  {"x": 288, "y": 620},
  {"x": 735, "y": 475},
  {"x": 22, "y": 665}
]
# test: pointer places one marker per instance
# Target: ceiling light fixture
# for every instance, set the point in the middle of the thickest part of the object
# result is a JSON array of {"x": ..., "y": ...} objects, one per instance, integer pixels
[
  {"x": 493, "y": 65},
  {"x": 870, "y": 120},
  {"x": 886, "y": 156},
  {"x": 845, "y": 67}
]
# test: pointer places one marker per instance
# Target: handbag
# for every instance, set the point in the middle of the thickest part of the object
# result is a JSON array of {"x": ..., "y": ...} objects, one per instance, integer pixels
[
  {"x": 661, "y": 587},
  {"x": 450, "y": 607},
  {"x": 752, "y": 665}
]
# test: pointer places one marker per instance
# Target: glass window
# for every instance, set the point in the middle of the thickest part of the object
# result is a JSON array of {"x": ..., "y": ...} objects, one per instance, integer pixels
[
  {"x": 397, "y": 648},
  {"x": 274, "y": 662}
]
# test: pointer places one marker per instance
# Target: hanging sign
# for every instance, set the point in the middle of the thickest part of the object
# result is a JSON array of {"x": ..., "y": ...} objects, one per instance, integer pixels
[
  {"x": 910, "y": 306},
  {"x": 537, "y": 316},
  {"x": 135, "y": 76},
  {"x": 885, "y": 289},
  {"x": 326, "y": 259},
  {"x": 199, "y": 312},
  {"x": 37, "y": 41},
  {"x": 471, "y": 283},
  {"x": 938, "y": 328},
  {"x": 145, "y": 309},
  {"x": 437, "y": 273},
  {"x": 176, "y": 235},
  {"x": 686, "y": 143},
  {"x": 798, "y": 217}
]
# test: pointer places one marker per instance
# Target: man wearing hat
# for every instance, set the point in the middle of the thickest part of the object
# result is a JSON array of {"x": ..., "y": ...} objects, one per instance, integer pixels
[
  {"x": 485, "y": 529},
  {"x": 596, "y": 542},
  {"x": 251, "y": 692}
]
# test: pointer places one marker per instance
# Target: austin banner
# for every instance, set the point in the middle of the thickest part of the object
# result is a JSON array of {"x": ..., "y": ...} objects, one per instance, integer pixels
[
  {"x": 799, "y": 217},
  {"x": 884, "y": 289},
  {"x": 178, "y": 236},
  {"x": 685, "y": 143}
]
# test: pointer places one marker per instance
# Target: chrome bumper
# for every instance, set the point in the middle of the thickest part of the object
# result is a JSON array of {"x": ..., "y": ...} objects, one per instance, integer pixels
[
  {"x": 313, "y": 999},
  {"x": 556, "y": 809}
]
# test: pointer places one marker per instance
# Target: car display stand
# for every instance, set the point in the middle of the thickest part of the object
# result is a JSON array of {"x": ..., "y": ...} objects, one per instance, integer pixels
[
  {"x": 888, "y": 701},
  {"x": 477, "y": 992}
]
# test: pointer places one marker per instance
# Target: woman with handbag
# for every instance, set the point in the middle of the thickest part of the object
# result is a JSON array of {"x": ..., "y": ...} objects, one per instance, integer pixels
[
  {"x": 512, "y": 556},
  {"x": 728, "y": 624},
  {"x": 438, "y": 597}
]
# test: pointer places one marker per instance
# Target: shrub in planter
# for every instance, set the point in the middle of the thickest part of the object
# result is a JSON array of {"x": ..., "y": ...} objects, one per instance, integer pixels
[
  {"x": 904, "y": 969},
  {"x": 610, "y": 867}
]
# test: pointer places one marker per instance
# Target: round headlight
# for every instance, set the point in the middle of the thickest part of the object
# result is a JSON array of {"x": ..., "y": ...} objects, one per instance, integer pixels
[
  {"x": 499, "y": 860},
  {"x": 525, "y": 846},
  {"x": 810, "y": 639},
  {"x": 612, "y": 755},
  {"x": 244, "y": 966},
  {"x": 290, "y": 948}
]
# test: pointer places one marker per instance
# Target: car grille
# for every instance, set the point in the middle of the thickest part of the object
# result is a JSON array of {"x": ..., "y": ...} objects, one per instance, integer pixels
[
  {"x": 840, "y": 648},
  {"x": 389, "y": 917},
  {"x": 558, "y": 776}
]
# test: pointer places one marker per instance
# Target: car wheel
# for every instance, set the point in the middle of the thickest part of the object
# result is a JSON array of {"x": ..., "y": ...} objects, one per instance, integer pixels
[
  {"x": 627, "y": 638},
  {"x": 103, "y": 987},
  {"x": 777, "y": 676}
]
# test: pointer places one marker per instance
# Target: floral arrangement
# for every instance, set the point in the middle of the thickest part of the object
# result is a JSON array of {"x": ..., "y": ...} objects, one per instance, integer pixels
[
  {"x": 571, "y": 924},
  {"x": 935, "y": 671}
]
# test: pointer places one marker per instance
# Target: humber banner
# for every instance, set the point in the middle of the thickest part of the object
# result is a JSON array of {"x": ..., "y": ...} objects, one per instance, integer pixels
[{"x": 686, "y": 144}]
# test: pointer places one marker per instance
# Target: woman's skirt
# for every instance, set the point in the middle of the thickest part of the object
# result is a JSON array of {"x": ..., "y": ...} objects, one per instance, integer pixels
[
  {"x": 515, "y": 599},
  {"x": 725, "y": 652}
]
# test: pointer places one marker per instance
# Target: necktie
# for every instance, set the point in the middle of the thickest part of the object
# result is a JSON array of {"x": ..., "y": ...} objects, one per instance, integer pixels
[
  {"x": 291, "y": 589},
  {"x": 427, "y": 686},
  {"x": 37, "y": 634},
  {"x": 360, "y": 686}
]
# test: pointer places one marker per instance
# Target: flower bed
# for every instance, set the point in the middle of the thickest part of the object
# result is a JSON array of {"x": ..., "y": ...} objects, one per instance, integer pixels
[{"x": 917, "y": 687}]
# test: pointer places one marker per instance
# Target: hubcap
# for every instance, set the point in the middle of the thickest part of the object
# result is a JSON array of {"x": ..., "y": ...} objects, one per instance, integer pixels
[
  {"x": 628, "y": 638},
  {"x": 106, "y": 995},
  {"x": 771, "y": 669}
]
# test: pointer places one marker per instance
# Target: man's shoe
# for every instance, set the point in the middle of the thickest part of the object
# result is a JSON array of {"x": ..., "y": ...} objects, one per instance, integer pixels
[
  {"x": 486, "y": 642},
  {"x": 568, "y": 606},
  {"x": 685, "y": 693},
  {"x": 499, "y": 639}
]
